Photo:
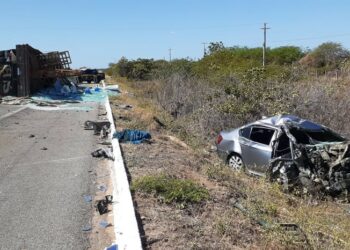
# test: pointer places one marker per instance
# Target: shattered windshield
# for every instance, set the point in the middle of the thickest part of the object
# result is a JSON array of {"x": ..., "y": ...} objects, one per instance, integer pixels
[{"x": 315, "y": 136}]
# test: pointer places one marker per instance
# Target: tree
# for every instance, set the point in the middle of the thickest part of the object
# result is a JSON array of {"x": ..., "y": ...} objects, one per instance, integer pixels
[
  {"x": 215, "y": 47},
  {"x": 123, "y": 67},
  {"x": 285, "y": 55},
  {"x": 329, "y": 54}
]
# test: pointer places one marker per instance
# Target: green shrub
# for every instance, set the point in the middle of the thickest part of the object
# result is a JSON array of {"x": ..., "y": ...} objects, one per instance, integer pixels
[{"x": 171, "y": 189}]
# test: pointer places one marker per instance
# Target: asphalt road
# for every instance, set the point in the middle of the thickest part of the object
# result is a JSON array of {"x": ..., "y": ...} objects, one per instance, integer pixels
[{"x": 41, "y": 191}]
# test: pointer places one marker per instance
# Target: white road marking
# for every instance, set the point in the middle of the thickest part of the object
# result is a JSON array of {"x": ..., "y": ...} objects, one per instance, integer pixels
[
  {"x": 54, "y": 161},
  {"x": 12, "y": 112}
]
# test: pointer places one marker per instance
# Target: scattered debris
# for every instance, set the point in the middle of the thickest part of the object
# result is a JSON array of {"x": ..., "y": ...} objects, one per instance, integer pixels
[
  {"x": 293, "y": 229},
  {"x": 114, "y": 88},
  {"x": 124, "y": 106},
  {"x": 97, "y": 126},
  {"x": 112, "y": 247},
  {"x": 86, "y": 228},
  {"x": 31, "y": 136},
  {"x": 87, "y": 198},
  {"x": 44, "y": 148},
  {"x": 156, "y": 119},
  {"x": 102, "y": 205},
  {"x": 102, "y": 187},
  {"x": 133, "y": 136},
  {"x": 103, "y": 152},
  {"x": 104, "y": 224},
  {"x": 124, "y": 118}
]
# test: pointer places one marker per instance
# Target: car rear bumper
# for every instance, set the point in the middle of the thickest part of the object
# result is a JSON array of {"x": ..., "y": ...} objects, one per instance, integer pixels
[{"x": 222, "y": 154}]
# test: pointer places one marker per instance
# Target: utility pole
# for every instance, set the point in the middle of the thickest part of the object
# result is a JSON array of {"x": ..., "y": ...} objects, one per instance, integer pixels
[
  {"x": 170, "y": 55},
  {"x": 264, "y": 44},
  {"x": 204, "y": 49}
]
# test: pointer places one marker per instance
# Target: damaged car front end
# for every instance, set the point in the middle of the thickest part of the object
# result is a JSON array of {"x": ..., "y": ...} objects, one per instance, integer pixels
[
  {"x": 318, "y": 160},
  {"x": 301, "y": 155}
]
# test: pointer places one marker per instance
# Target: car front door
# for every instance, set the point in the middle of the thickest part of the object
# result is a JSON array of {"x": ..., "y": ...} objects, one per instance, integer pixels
[{"x": 256, "y": 147}]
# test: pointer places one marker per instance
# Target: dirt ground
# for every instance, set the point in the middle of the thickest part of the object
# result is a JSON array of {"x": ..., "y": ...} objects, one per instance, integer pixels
[
  {"x": 165, "y": 226},
  {"x": 242, "y": 212}
]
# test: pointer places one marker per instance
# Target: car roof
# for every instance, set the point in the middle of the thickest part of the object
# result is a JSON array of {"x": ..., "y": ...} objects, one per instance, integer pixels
[{"x": 279, "y": 120}]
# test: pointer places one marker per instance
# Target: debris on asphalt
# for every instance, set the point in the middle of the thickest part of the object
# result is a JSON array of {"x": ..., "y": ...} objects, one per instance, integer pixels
[
  {"x": 102, "y": 205},
  {"x": 86, "y": 228},
  {"x": 112, "y": 247},
  {"x": 103, "y": 152},
  {"x": 44, "y": 148},
  {"x": 133, "y": 136},
  {"x": 102, "y": 187},
  {"x": 97, "y": 126},
  {"x": 31, "y": 136},
  {"x": 104, "y": 224},
  {"x": 87, "y": 198},
  {"x": 114, "y": 88}
]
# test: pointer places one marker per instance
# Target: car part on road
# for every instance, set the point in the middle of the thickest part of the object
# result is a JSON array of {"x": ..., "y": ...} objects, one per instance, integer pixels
[
  {"x": 86, "y": 228},
  {"x": 103, "y": 152},
  {"x": 87, "y": 198},
  {"x": 102, "y": 205},
  {"x": 97, "y": 126},
  {"x": 104, "y": 224}
]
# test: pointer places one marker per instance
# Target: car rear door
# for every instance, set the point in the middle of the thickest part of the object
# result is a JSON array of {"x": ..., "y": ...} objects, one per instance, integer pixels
[{"x": 256, "y": 148}]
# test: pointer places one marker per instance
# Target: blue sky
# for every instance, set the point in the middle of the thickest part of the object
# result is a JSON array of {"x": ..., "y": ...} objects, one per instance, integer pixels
[{"x": 98, "y": 32}]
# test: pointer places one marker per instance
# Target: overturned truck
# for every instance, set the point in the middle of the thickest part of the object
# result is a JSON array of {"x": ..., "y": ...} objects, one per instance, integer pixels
[{"x": 24, "y": 70}]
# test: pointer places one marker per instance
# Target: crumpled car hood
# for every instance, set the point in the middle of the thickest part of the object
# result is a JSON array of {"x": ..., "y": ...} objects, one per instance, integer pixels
[{"x": 321, "y": 168}]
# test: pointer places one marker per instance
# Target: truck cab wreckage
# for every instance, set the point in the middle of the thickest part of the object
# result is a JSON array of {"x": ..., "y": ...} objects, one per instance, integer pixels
[{"x": 24, "y": 70}]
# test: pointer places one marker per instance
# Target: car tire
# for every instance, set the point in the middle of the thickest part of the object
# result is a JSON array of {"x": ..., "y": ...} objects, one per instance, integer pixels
[{"x": 235, "y": 162}]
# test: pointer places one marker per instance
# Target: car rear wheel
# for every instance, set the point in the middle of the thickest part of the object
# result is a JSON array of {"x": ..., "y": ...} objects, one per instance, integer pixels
[{"x": 235, "y": 162}]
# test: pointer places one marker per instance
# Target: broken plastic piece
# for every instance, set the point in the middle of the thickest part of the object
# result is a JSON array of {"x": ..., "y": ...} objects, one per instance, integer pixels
[
  {"x": 102, "y": 152},
  {"x": 104, "y": 224},
  {"x": 102, "y": 205},
  {"x": 112, "y": 247},
  {"x": 86, "y": 228},
  {"x": 87, "y": 198},
  {"x": 102, "y": 188},
  {"x": 97, "y": 126}
]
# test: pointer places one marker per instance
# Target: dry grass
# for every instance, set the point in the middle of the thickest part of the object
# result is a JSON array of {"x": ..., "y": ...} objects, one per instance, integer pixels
[{"x": 217, "y": 223}]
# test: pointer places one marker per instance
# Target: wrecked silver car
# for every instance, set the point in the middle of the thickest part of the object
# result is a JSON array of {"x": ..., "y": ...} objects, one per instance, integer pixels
[{"x": 292, "y": 151}]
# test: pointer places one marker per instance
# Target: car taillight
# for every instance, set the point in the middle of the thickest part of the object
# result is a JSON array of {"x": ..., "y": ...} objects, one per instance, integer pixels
[{"x": 218, "y": 139}]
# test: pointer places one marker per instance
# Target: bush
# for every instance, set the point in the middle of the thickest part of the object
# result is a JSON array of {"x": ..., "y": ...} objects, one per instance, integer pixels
[{"x": 171, "y": 189}]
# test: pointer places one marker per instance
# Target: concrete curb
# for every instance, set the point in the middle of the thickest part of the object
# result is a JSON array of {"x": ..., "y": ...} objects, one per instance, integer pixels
[{"x": 125, "y": 224}]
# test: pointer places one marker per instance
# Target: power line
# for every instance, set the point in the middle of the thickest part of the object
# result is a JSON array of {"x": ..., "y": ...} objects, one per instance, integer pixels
[
  {"x": 311, "y": 38},
  {"x": 170, "y": 54},
  {"x": 204, "y": 49},
  {"x": 264, "y": 44}
]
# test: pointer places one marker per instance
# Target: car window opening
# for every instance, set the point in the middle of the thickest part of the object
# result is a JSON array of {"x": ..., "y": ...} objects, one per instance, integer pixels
[
  {"x": 262, "y": 135},
  {"x": 245, "y": 132},
  {"x": 283, "y": 146},
  {"x": 314, "y": 137}
]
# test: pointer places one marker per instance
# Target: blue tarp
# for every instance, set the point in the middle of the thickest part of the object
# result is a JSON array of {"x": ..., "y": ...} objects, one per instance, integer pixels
[
  {"x": 133, "y": 136},
  {"x": 61, "y": 92}
]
